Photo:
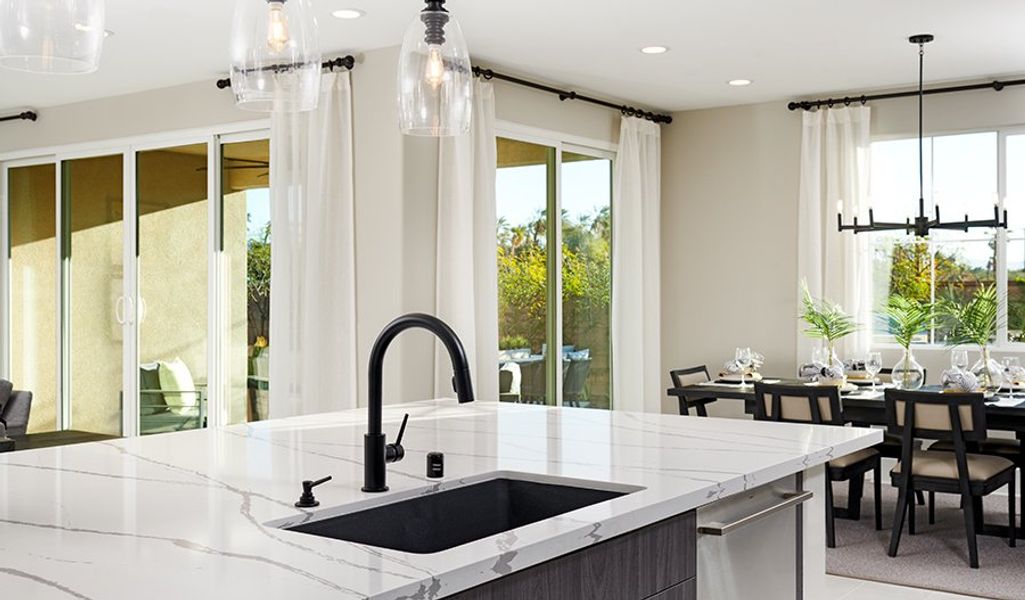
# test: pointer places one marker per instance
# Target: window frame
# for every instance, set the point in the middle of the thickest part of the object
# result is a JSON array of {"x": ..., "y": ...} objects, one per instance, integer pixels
[{"x": 1001, "y": 341}]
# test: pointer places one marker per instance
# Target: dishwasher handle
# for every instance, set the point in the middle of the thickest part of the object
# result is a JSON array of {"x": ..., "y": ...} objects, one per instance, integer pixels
[{"x": 789, "y": 500}]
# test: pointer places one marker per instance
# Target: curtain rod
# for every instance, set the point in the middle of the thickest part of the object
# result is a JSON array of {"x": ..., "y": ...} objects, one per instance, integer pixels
[
  {"x": 571, "y": 95},
  {"x": 343, "y": 62},
  {"x": 847, "y": 100},
  {"x": 28, "y": 115}
]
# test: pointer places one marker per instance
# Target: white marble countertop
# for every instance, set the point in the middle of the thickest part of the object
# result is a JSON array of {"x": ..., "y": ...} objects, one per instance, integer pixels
[{"x": 184, "y": 515}]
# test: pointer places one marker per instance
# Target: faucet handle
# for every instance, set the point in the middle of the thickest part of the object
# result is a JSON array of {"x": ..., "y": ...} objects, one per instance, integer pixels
[{"x": 395, "y": 452}]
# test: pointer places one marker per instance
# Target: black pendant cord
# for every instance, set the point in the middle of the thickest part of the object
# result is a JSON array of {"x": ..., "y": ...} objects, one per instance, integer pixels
[
  {"x": 921, "y": 129},
  {"x": 28, "y": 115},
  {"x": 571, "y": 95},
  {"x": 342, "y": 62}
]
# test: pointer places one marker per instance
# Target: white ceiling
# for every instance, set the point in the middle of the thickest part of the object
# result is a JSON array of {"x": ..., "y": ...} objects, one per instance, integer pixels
[{"x": 787, "y": 47}]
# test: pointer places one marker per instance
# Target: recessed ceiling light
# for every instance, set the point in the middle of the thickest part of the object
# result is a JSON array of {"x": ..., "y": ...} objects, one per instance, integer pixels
[
  {"x": 348, "y": 13},
  {"x": 654, "y": 49},
  {"x": 107, "y": 33},
  {"x": 739, "y": 82}
]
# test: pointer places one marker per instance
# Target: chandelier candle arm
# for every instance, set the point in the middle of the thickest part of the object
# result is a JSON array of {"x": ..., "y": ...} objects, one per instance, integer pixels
[{"x": 922, "y": 224}]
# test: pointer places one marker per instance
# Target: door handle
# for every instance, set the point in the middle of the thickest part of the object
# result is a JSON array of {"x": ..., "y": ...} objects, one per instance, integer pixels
[
  {"x": 131, "y": 310},
  {"x": 119, "y": 310},
  {"x": 142, "y": 309},
  {"x": 789, "y": 500}
]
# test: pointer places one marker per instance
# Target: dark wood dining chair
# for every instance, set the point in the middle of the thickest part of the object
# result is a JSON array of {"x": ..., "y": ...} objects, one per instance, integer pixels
[
  {"x": 959, "y": 418},
  {"x": 890, "y": 448},
  {"x": 820, "y": 405},
  {"x": 691, "y": 376}
]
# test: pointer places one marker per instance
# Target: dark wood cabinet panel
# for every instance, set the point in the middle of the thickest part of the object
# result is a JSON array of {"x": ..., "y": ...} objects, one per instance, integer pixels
[
  {"x": 688, "y": 590},
  {"x": 634, "y": 566}
]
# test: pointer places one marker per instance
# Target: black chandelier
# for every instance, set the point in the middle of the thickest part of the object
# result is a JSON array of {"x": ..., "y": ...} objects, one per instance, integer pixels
[{"x": 921, "y": 225}]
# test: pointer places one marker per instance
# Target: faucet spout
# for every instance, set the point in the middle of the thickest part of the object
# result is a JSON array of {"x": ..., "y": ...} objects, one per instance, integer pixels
[{"x": 375, "y": 452}]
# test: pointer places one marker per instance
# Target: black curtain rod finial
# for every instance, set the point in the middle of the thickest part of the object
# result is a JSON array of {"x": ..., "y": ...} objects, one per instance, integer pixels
[{"x": 25, "y": 115}]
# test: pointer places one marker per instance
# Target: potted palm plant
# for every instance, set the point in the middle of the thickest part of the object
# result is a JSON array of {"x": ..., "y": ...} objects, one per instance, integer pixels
[
  {"x": 827, "y": 322},
  {"x": 975, "y": 321},
  {"x": 905, "y": 319}
]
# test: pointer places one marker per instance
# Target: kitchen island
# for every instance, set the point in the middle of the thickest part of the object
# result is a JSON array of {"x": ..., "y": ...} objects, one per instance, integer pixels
[{"x": 198, "y": 514}]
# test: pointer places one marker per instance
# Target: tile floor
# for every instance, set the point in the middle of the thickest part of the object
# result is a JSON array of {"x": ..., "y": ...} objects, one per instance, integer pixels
[{"x": 843, "y": 588}]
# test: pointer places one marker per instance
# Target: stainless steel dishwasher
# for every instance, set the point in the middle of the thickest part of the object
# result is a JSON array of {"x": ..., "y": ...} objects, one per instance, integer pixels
[{"x": 750, "y": 545}]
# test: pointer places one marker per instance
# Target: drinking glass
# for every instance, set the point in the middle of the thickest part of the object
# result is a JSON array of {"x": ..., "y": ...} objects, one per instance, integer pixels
[
  {"x": 959, "y": 359},
  {"x": 873, "y": 365},
  {"x": 1012, "y": 368},
  {"x": 744, "y": 358}
]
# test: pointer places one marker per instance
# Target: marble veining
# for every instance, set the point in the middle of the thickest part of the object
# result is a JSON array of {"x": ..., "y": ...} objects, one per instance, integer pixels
[{"x": 198, "y": 514}]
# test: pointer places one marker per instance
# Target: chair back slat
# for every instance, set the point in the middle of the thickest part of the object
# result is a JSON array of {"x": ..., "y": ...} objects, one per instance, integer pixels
[
  {"x": 798, "y": 404},
  {"x": 936, "y": 415},
  {"x": 689, "y": 376}
]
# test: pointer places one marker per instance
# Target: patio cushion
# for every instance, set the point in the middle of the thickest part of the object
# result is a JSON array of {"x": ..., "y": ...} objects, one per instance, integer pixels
[
  {"x": 6, "y": 387},
  {"x": 178, "y": 387}
]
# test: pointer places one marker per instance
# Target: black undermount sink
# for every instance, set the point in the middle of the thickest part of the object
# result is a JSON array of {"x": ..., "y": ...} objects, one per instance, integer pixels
[{"x": 446, "y": 519}]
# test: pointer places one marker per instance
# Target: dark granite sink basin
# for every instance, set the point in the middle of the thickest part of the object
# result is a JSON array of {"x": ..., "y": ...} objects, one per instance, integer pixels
[{"x": 438, "y": 521}]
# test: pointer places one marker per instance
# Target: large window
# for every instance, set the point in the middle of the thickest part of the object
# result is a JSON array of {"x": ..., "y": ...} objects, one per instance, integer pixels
[
  {"x": 554, "y": 300},
  {"x": 963, "y": 175}
]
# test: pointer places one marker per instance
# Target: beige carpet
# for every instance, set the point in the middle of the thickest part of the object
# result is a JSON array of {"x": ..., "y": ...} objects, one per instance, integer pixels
[{"x": 936, "y": 557}]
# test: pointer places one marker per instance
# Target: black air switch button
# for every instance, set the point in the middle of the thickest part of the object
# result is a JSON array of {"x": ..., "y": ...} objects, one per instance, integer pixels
[{"x": 435, "y": 465}]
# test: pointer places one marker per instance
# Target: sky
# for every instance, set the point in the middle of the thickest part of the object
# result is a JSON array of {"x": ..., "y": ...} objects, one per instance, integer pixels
[
  {"x": 258, "y": 207},
  {"x": 522, "y": 191},
  {"x": 960, "y": 177}
]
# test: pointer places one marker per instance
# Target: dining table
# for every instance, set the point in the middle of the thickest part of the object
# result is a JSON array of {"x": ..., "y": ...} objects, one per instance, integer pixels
[{"x": 865, "y": 406}]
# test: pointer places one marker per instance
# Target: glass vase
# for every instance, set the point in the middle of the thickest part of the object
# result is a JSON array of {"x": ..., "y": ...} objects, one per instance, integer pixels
[
  {"x": 907, "y": 373},
  {"x": 988, "y": 371},
  {"x": 833, "y": 371}
]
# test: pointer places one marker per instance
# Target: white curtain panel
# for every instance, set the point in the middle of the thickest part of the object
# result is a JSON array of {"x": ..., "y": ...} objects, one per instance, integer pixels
[
  {"x": 835, "y": 163},
  {"x": 467, "y": 270},
  {"x": 313, "y": 286},
  {"x": 636, "y": 271}
]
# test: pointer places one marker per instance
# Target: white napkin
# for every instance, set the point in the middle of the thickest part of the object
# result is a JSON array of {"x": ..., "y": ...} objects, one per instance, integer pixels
[{"x": 1004, "y": 401}]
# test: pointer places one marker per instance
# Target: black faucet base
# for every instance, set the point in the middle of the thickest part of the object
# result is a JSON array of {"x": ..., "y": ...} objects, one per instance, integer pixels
[{"x": 374, "y": 450}]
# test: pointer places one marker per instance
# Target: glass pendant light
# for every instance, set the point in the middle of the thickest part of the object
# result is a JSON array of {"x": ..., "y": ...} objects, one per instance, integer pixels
[
  {"x": 51, "y": 36},
  {"x": 434, "y": 75},
  {"x": 275, "y": 56}
]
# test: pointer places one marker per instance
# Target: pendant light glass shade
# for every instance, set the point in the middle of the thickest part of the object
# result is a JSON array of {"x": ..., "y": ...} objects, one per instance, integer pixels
[
  {"x": 275, "y": 56},
  {"x": 434, "y": 76},
  {"x": 51, "y": 36}
]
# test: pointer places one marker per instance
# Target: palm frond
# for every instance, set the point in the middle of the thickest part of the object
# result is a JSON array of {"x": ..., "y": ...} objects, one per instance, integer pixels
[
  {"x": 974, "y": 321},
  {"x": 825, "y": 320},
  {"x": 905, "y": 318}
]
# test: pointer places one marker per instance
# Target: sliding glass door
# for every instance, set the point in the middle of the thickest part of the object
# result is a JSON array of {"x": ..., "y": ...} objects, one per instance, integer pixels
[
  {"x": 32, "y": 267},
  {"x": 554, "y": 344},
  {"x": 586, "y": 279},
  {"x": 246, "y": 239},
  {"x": 135, "y": 294},
  {"x": 94, "y": 307},
  {"x": 173, "y": 256}
]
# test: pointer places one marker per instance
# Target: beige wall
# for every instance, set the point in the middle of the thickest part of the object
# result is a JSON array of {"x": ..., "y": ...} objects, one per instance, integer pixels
[
  {"x": 189, "y": 106},
  {"x": 395, "y": 185},
  {"x": 729, "y": 223},
  {"x": 729, "y": 236}
]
